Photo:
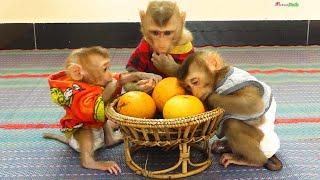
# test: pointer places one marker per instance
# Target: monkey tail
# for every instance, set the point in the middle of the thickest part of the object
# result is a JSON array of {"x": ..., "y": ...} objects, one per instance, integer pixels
[
  {"x": 273, "y": 164},
  {"x": 60, "y": 138}
]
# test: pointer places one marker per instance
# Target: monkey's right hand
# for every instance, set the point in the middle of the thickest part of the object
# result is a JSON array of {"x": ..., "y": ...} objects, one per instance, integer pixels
[
  {"x": 165, "y": 63},
  {"x": 109, "y": 90},
  {"x": 146, "y": 85}
]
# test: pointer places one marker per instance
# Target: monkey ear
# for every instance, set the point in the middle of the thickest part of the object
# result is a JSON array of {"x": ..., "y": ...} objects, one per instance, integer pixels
[
  {"x": 224, "y": 70},
  {"x": 75, "y": 71},
  {"x": 183, "y": 16},
  {"x": 214, "y": 61},
  {"x": 142, "y": 15}
]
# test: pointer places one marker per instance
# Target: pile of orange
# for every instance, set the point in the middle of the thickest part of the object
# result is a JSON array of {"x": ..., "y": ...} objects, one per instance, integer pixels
[{"x": 168, "y": 97}]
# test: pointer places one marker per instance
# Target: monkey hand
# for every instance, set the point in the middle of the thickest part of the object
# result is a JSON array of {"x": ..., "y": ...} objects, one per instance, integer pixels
[
  {"x": 210, "y": 99},
  {"x": 109, "y": 90},
  {"x": 136, "y": 76},
  {"x": 144, "y": 75},
  {"x": 165, "y": 63},
  {"x": 146, "y": 85},
  {"x": 156, "y": 78}
]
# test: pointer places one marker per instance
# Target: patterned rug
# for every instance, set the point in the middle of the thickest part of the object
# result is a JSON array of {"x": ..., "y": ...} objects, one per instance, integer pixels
[{"x": 26, "y": 111}]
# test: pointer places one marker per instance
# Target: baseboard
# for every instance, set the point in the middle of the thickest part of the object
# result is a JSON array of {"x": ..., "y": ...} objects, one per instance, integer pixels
[{"x": 127, "y": 35}]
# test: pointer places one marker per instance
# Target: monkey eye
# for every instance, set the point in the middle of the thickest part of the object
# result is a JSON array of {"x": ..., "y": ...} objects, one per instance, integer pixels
[
  {"x": 155, "y": 33},
  {"x": 106, "y": 68},
  {"x": 167, "y": 33},
  {"x": 195, "y": 82}
]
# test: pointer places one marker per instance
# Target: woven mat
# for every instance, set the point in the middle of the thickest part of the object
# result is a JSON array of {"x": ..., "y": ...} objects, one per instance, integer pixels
[{"x": 25, "y": 107}]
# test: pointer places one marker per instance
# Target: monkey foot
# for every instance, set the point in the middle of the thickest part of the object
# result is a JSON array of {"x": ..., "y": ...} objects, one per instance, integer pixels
[
  {"x": 116, "y": 139},
  {"x": 110, "y": 166},
  {"x": 273, "y": 164},
  {"x": 220, "y": 146},
  {"x": 228, "y": 158},
  {"x": 113, "y": 125}
]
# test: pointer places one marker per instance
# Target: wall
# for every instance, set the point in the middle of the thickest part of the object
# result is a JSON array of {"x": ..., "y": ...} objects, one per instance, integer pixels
[
  {"x": 47, "y": 24},
  {"x": 49, "y": 11}
]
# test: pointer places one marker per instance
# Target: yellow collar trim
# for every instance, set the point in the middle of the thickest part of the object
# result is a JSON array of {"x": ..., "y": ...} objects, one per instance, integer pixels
[{"x": 182, "y": 49}]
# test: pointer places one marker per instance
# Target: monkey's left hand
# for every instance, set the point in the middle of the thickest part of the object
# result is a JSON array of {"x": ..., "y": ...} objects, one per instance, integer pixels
[
  {"x": 144, "y": 75},
  {"x": 146, "y": 85},
  {"x": 137, "y": 76},
  {"x": 210, "y": 99},
  {"x": 165, "y": 63}
]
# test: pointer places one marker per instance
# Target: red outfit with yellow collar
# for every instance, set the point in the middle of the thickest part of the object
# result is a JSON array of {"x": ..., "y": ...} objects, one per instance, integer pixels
[
  {"x": 82, "y": 102},
  {"x": 140, "y": 59}
]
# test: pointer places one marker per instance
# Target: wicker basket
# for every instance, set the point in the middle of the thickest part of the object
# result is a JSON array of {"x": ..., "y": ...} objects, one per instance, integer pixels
[{"x": 182, "y": 132}]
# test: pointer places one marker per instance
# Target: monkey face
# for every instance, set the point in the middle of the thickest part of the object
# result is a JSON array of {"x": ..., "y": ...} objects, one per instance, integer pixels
[
  {"x": 162, "y": 41},
  {"x": 198, "y": 82},
  {"x": 98, "y": 71},
  {"x": 199, "y": 73},
  {"x": 106, "y": 75},
  {"x": 162, "y": 38}
]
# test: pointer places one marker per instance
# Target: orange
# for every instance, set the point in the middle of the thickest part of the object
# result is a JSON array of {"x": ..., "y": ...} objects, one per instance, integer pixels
[
  {"x": 136, "y": 104},
  {"x": 182, "y": 106},
  {"x": 166, "y": 89}
]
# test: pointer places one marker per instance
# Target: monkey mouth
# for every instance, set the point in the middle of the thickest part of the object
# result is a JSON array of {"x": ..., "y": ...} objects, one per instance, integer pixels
[
  {"x": 162, "y": 51},
  {"x": 204, "y": 97},
  {"x": 107, "y": 82}
]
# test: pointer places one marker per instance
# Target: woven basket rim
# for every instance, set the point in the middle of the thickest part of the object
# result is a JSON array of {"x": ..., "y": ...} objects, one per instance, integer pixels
[{"x": 112, "y": 114}]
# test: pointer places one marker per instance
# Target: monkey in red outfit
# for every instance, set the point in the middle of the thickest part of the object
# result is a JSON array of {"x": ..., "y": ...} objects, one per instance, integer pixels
[
  {"x": 164, "y": 46},
  {"x": 82, "y": 89}
]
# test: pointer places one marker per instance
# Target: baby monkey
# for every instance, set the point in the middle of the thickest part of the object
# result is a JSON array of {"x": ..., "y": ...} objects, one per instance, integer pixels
[
  {"x": 165, "y": 44},
  {"x": 248, "y": 123},
  {"x": 83, "y": 89}
]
